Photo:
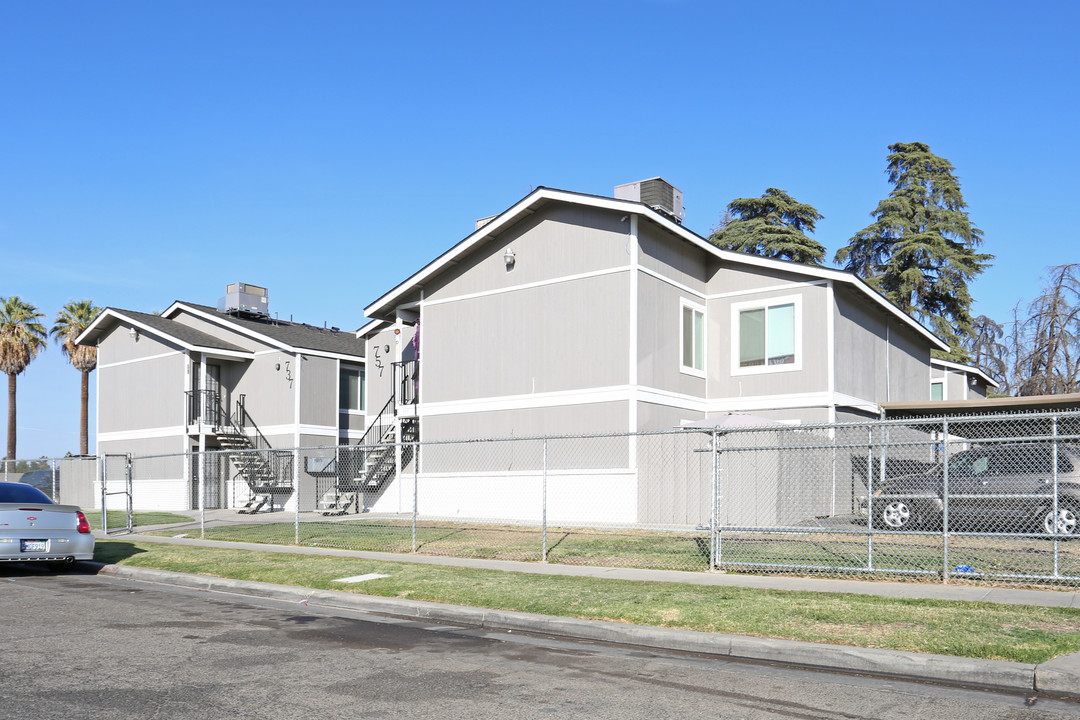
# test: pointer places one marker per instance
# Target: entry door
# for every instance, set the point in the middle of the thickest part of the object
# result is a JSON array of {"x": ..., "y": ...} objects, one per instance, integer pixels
[{"x": 213, "y": 379}]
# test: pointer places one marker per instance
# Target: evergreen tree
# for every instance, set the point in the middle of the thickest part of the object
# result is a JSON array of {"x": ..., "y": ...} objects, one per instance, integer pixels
[
  {"x": 773, "y": 226},
  {"x": 921, "y": 250}
]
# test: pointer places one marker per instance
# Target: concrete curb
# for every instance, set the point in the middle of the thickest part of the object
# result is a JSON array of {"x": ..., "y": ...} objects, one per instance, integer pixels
[{"x": 1059, "y": 677}]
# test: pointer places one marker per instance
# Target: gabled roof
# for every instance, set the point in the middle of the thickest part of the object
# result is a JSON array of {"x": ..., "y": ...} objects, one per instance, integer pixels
[
  {"x": 383, "y": 308},
  {"x": 960, "y": 367},
  {"x": 183, "y": 335},
  {"x": 288, "y": 336},
  {"x": 370, "y": 328}
]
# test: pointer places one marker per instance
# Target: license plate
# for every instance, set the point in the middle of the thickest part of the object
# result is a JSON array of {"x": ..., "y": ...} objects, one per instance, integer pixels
[{"x": 34, "y": 546}]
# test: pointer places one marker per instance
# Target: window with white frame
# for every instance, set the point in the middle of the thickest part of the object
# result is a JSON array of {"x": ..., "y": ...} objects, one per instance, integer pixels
[
  {"x": 769, "y": 335},
  {"x": 351, "y": 389},
  {"x": 692, "y": 336},
  {"x": 937, "y": 389}
]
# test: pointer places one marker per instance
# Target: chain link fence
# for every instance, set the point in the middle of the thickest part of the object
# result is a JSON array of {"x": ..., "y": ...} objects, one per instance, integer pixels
[
  {"x": 70, "y": 480},
  {"x": 979, "y": 497}
]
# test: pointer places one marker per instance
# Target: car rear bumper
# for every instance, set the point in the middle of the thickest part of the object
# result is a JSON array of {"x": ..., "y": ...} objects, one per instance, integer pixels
[{"x": 79, "y": 547}]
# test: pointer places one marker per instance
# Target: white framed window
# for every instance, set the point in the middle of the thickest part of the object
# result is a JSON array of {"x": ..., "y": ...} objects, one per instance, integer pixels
[
  {"x": 351, "y": 389},
  {"x": 692, "y": 338},
  {"x": 937, "y": 389},
  {"x": 767, "y": 335}
]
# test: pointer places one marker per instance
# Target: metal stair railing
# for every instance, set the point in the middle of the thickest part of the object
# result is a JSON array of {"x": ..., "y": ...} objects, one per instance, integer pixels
[
  {"x": 204, "y": 407},
  {"x": 374, "y": 460},
  {"x": 268, "y": 472},
  {"x": 406, "y": 382}
]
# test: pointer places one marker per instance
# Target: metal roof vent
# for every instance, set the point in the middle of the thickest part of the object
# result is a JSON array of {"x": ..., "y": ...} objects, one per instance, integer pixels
[
  {"x": 244, "y": 299},
  {"x": 655, "y": 192}
]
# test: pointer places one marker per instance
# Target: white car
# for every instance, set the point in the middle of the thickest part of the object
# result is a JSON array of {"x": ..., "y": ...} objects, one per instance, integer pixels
[{"x": 35, "y": 529}]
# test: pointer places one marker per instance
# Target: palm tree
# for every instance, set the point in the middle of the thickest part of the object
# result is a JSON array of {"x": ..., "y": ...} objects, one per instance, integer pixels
[
  {"x": 71, "y": 321},
  {"x": 22, "y": 337}
]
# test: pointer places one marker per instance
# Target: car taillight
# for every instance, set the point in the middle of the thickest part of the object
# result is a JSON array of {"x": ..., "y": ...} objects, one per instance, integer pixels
[{"x": 84, "y": 526}]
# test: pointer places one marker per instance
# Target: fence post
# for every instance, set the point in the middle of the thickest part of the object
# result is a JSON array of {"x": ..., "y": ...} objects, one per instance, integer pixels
[
  {"x": 1054, "y": 465},
  {"x": 104, "y": 475},
  {"x": 945, "y": 501},
  {"x": 832, "y": 437},
  {"x": 870, "y": 498},
  {"x": 130, "y": 487},
  {"x": 296, "y": 496},
  {"x": 415, "y": 492},
  {"x": 202, "y": 487},
  {"x": 543, "y": 508},
  {"x": 715, "y": 556}
]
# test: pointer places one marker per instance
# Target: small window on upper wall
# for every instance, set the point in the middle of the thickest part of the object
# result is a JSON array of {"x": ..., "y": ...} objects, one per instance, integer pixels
[
  {"x": 769, "y": 336},
  {"x": 937, "y": 390},
  {"x": 692, "y": 334},
  {"x": 351, "y": 389}
]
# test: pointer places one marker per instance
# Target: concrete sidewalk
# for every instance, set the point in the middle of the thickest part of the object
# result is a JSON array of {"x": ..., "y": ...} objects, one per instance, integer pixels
[{"x": 1059, "y": 677}]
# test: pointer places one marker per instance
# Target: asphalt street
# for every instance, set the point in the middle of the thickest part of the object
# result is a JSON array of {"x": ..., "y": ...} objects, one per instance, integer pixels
[{"x": 87, "y": 646}]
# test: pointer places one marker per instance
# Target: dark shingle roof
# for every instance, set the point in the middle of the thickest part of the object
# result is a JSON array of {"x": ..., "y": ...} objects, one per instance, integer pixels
[
  {"x": 178, "y": 331},
  {"x": 297, "y": 335}
]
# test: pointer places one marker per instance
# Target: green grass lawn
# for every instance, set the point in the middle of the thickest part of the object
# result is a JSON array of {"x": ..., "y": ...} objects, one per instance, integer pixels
[
  {"x": 499, "y": 542},
  {"x": 978, "y": 630},
  {"x": 118, "y": 518},
  {"x": 821, "y": 551}
]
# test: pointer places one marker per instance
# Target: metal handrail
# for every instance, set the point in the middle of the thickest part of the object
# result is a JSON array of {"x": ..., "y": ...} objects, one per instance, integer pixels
[
  {"x": 406, "y": 382},
  {"x": 204, "y": 406},
  {"x": 243, "y": 421},
  {"x": 375, "y": 431},
  {"x": 280, "y": 460}
]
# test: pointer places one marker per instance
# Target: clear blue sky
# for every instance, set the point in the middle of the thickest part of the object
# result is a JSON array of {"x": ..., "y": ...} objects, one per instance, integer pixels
[{"x": 158, "y": 151}]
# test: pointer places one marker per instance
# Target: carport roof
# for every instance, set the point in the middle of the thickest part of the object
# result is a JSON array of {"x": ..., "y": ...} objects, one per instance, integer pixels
[{"x": 982, "y": 406}]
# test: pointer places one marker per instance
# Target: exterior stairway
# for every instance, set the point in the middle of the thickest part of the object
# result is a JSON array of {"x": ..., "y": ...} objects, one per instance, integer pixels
[
  {"x": 262, "y": 469},
  {"x": 375, "y": 465},
  {"x": 268, "y": 473}
]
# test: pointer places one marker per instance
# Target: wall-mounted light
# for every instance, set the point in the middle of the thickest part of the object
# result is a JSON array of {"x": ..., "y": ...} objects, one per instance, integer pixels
[
  {"x": 134, "y": 333},
  {"x": 509, "y": 258},
  {"x": 972, "y": 380}
]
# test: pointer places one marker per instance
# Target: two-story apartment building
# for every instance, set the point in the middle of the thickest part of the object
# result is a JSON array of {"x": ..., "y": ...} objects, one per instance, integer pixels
[
  {"x": 566, "y": 314},
  {"x": 577, "y": 314},
  {"x": 230, "y": 378},
  {"x": 574, "y": 313}
]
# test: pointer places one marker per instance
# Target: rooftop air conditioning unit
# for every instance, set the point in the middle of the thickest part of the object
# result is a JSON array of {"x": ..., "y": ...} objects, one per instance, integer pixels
[
  {"x": 244, "y": 299},
  {"x": 655, "y": 192}
]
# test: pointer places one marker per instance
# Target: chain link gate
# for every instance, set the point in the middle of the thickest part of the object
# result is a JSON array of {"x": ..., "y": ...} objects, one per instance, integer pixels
[{"x": 116, "y": 479}]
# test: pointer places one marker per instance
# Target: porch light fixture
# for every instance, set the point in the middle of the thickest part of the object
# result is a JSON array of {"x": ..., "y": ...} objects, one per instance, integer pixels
[
  {"x": 509, "y": 258},
  {"x": 134, "y": 333}
]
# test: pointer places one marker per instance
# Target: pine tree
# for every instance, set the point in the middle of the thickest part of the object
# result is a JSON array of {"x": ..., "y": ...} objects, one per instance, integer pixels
[
  {"x": 772, "y": 226},
  {"x": 921, "y": 251}
]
